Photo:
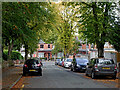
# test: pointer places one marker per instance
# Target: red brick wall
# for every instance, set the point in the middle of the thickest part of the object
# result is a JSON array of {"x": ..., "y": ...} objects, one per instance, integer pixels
[
  {"x": 83, "y": 46},
  {"x": 45, "y": 46}
]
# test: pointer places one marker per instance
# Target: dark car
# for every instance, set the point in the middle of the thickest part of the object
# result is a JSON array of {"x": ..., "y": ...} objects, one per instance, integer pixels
[
  {"x": 101, "y": 66},
  {"x": 32, "y": 66},
  {"x": 60, "y": 62},
  {"x": 57, "y": 61},
  {"x": 79, "y": 64}
]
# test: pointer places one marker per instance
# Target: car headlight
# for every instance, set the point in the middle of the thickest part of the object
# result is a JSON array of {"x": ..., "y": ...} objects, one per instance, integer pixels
[{"x": 78, "y": 65}]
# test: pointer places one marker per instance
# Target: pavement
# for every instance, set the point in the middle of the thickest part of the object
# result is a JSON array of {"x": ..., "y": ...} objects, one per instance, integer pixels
[
  {"x": 59, "y": 77},
  {"x": 10, "y": 75}
]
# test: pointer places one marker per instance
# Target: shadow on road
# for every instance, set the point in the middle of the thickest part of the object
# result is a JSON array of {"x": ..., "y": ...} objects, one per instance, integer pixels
[
  {"x": 104, "y": 78},
  {"x": 31, "y": 74}
]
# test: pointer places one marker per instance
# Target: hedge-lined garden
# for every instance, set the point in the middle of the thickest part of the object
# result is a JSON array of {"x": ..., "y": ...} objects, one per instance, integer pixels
[{"x": 14, "y": 55}]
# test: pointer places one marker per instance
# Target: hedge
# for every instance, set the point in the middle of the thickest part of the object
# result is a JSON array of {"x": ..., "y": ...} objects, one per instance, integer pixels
[
  {"x": 5, "y": 54},
  {"x": 43, "y": 58},
  {"x": 14, "y": 55}
]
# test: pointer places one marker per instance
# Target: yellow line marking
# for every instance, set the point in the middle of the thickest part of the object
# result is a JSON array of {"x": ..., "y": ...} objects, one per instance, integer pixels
[{"x": 23, "y": 86}]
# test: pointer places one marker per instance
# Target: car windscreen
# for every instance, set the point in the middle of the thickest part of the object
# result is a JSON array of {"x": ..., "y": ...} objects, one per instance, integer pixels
[
  {"x": 85, "y": 61},
  {"x": 102, "y": 61},
  {"x": 32, "y": 62},
  {"x": 58, "y": 59},
  {"x": 69, "y": 60}
]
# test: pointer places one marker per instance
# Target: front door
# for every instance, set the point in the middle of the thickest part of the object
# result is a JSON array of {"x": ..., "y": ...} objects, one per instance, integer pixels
[{"x": 48, "y": 55}]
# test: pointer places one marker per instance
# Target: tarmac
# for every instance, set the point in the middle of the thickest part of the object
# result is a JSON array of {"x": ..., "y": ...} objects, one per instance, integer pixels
[{"x": 11, "y": 75}]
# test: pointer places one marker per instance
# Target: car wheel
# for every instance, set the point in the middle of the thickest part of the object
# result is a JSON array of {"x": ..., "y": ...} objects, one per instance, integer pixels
[
  {"x": 74, "y": 70},
  {"x": 24, "y": 73},
  {"x": 93, "y": 75},
  {"x": 86, "y": 74},
  {"x": 40, "y": 73},
  {"x": 114, "y": 77}
]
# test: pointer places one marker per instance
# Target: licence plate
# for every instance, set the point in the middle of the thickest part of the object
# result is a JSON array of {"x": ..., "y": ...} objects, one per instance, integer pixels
[
  {"x": 32, "y": 70},
  {"x": 105, "y": 68}
]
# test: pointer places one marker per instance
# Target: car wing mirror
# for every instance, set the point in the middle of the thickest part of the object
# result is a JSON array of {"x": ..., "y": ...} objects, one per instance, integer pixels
[{"x": 87, "y": 63}]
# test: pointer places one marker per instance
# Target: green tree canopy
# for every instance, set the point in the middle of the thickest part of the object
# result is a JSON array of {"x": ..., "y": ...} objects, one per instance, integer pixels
[{"x": 23, "y": 23}]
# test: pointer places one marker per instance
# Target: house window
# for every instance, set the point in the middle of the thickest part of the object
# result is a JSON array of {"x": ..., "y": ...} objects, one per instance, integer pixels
[
  {"x": 48, "y": 45},
  {"x": 41, "y": 55},
  {"x": 41, "y": 46}
]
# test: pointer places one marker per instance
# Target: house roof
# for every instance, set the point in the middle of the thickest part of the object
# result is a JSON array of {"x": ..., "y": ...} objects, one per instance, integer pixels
[{"x": 41, "y": 42}]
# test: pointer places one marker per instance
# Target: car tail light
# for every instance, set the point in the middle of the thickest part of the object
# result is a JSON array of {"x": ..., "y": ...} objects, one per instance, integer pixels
[
  {"x": 25, "y": 65},
  {"x": 96, "y": 66},
  {"x": 39, "y": 65},
  {"x": 115, "y": 67}
]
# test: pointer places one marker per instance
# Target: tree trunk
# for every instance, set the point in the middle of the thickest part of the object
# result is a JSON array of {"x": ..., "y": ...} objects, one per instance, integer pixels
[
  {"x": 10, "y": 47},
  {"x": 2, "y": 50},
  {"x": 100, "y": 50},
  {"x": 26, "y": 51},
  {"x": 30, "y": 55},
  {"x": 8, "y": 51},
  {"x": 19, "y": 48},
  {"x": 55, "y": 56},
  {"x": 100, "y": 44}
]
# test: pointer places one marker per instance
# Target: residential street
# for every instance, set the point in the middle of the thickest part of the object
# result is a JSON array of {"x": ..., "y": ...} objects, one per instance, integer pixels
[
  {"x": 60, "y": 44},
  {"x": 59, "y": 77}
]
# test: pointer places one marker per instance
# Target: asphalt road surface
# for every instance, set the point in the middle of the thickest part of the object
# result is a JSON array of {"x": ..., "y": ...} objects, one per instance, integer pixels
[{"x": 58, "y": 77}]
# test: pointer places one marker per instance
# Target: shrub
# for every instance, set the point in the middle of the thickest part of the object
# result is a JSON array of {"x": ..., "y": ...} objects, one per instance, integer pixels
[
  {"x": 58, "y": 58},
  {"x": 14, "y": 55},
  {"x": 43, "y": 58},
  {"x": 21, "y": 57},
  {"x": 5, "y": 54},
  {"x": 52, "y": 59}
]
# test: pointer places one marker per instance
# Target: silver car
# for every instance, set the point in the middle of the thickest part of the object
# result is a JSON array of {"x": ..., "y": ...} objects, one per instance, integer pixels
[
  {"x": 57, "y": 61},
  {"x": 68, "y": 62}
]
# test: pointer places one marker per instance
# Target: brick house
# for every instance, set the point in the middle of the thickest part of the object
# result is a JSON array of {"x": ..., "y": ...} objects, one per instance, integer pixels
[{"x": 43, "y": 50}]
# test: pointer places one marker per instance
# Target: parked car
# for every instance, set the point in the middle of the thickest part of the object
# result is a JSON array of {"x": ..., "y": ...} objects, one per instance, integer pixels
[
  {"x": 32, "y": 66},
  {"x": 57, "y": 61},
  {"x": 63, "y": 62},
  {"x": 40, "y": 60},
  {"x": 67, "y": 63},
  {"x": 79, "y": 64},
  {"x": 101, "y": 66},
  {"x": 60, "y": 62}
]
